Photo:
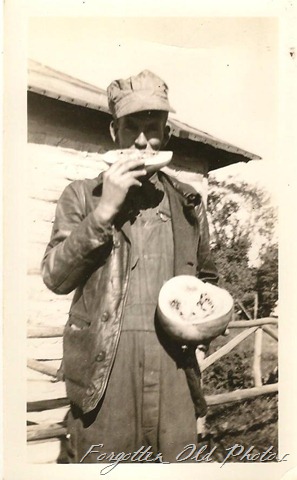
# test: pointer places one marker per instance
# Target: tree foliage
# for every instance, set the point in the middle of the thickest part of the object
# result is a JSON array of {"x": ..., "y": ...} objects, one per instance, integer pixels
[
  {"x": 242, "y": 224},
  {"x": 267, "y": 281}
]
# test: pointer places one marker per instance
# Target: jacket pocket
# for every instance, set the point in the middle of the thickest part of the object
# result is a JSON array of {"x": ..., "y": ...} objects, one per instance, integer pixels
[
  {"x": 78, "y": 322},
  {"x": 78, "y": 342}
]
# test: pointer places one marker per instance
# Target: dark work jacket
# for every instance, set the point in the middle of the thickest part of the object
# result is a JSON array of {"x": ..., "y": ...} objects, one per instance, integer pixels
[{"x": 95, "y": 262}]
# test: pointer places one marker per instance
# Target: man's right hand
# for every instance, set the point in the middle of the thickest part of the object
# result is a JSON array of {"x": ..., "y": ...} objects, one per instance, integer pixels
[{"x": 117, "y": 181}]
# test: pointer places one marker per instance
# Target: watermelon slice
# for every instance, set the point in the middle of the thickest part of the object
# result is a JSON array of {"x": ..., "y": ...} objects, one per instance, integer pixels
[
  {"x": 152, "y": 160},
  {"x": 193, "y": 311}
]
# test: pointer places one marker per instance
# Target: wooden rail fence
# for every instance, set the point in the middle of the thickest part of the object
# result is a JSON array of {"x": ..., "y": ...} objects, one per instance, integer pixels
[{"x": 49, "y": 431}]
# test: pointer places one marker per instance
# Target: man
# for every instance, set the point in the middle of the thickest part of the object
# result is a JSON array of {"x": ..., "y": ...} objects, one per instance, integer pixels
[{"x": 115, "y": 241}]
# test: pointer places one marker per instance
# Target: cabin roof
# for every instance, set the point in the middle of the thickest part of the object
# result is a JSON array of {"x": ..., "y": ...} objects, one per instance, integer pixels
[{"x": 46, "y": 81}]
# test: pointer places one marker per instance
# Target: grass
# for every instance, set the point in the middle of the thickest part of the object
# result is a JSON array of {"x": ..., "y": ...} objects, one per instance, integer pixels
[{"x": 249, "y": 423}]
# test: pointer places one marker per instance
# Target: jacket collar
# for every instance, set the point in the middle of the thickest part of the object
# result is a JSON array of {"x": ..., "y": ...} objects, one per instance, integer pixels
[
  {"x": 189, "y": 197},
  {"x": 189, "y": 194}
]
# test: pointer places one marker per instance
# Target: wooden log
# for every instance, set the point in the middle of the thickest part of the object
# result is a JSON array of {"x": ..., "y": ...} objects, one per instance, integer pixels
[
  {"x": 256, "y": 305},
  {"x": 240, "y": 395},
  {"x": 270, "y": 332},
  {"x": 41, "y": 367},
  {"x": 43, "y": 451},
  {"x": 56, "y": 415},
  {"x": 42, "y": 432},
  {"x": 41, "y": 405},
  {"x": 34, "y": 270},
  {"x": 201, "y": 421},
  {"x": 40, "y": 232},
  {"x": 35, "y": 255},
  {"x": 45, "y": 349},
  {"x": 37, "y": 290},
  {"x": 44, "y": 332},
  {"x": 253, "y": 323},
  {"x": 257, "y": 358},
  {"x": 49, "y": 331},
  {"x": 243, "y": 309},
  {"x": 38, "y": 432},
  {"x": 50, "y": 313},
  {"x": 236, "y": 396},
  {"x": 226, "y": 348},
  {"x": 40, "y": 209},
  {"x": 43, "y": 387}
]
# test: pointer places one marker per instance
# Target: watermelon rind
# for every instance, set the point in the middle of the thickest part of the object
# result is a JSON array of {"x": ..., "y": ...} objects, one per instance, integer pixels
[
  {"x": 156, "y": 159},
  {"x": 187, "y": 329}
]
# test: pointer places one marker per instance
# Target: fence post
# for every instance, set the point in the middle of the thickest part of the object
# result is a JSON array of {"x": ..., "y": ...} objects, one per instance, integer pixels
[
  {"x": 257, "y": 358},
  {"x": 201, "y": 421},
  {"x": 257, "y": 349}
]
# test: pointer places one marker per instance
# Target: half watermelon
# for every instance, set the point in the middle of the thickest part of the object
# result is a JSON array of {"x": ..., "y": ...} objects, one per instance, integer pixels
[{"x": 193, "y": 311}]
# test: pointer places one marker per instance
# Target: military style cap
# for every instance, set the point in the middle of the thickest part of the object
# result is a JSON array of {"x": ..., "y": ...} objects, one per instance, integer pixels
[{"x": 145, "y": 91}]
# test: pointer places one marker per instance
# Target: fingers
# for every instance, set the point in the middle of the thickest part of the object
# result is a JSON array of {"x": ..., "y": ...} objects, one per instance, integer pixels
[
  {"x": 130, "y": 178},
  {"x": 118, "y": 176},
  {"x": 116, "y": 184},
  {"x": 123, "y": 165},
  {"x": 137, "y": 173},
  {"x": 134, "y": 182},
  {"x": 117, "y": 181}
]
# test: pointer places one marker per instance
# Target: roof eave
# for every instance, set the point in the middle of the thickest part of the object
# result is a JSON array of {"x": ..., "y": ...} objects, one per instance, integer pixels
[{"x": 46, "y": 81}]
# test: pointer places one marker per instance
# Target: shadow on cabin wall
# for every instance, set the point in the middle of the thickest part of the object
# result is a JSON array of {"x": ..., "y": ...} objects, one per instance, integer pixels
[{"x": 57, "y": 123}]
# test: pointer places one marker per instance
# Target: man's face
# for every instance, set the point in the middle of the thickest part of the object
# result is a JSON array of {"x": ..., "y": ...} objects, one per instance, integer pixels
[{"x": 142, "y": 130}]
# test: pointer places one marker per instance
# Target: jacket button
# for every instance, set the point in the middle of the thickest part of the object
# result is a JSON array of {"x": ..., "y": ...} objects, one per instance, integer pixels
[
  {"x": 100, "y": 356},
  {"x": 192, "y": 197},
  {"x": 105, "y": 317},
  {"x": 163, "y": 217},
  {"x": 116, "y": 243},
  {"x": 90, "y": 390}
]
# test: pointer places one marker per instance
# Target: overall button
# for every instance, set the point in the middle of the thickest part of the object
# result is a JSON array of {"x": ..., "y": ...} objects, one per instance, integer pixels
[
  {"x": 192, "y": 197},
  {"x": 105, "y": 317},
  {"x": 163, "y": 216},
  {"x": 116, "y": 243},
  {"x": 191, "y": 264},
  {"x": 90, "y": 390},
  {"x": 100, "y": 356}
]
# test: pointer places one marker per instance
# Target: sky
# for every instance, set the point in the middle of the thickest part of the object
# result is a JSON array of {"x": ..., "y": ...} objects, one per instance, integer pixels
[{"x": 222, "y": 72}]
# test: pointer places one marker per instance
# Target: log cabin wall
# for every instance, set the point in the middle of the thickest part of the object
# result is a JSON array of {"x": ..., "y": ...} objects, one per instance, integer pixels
[
  {"x": 59, "y": 135},
  {"x": 57, "y": 123},
  {"x": 51, "y": 168}
]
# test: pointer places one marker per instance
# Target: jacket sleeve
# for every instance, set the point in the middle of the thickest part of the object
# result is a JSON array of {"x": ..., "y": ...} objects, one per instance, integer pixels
[
  {"x": 77, "y": 241},
  {"x": 207, "y": 269}
]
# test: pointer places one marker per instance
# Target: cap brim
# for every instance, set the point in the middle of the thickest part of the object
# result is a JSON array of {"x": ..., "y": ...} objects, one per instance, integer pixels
[{"x": 138, "y": 103}]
